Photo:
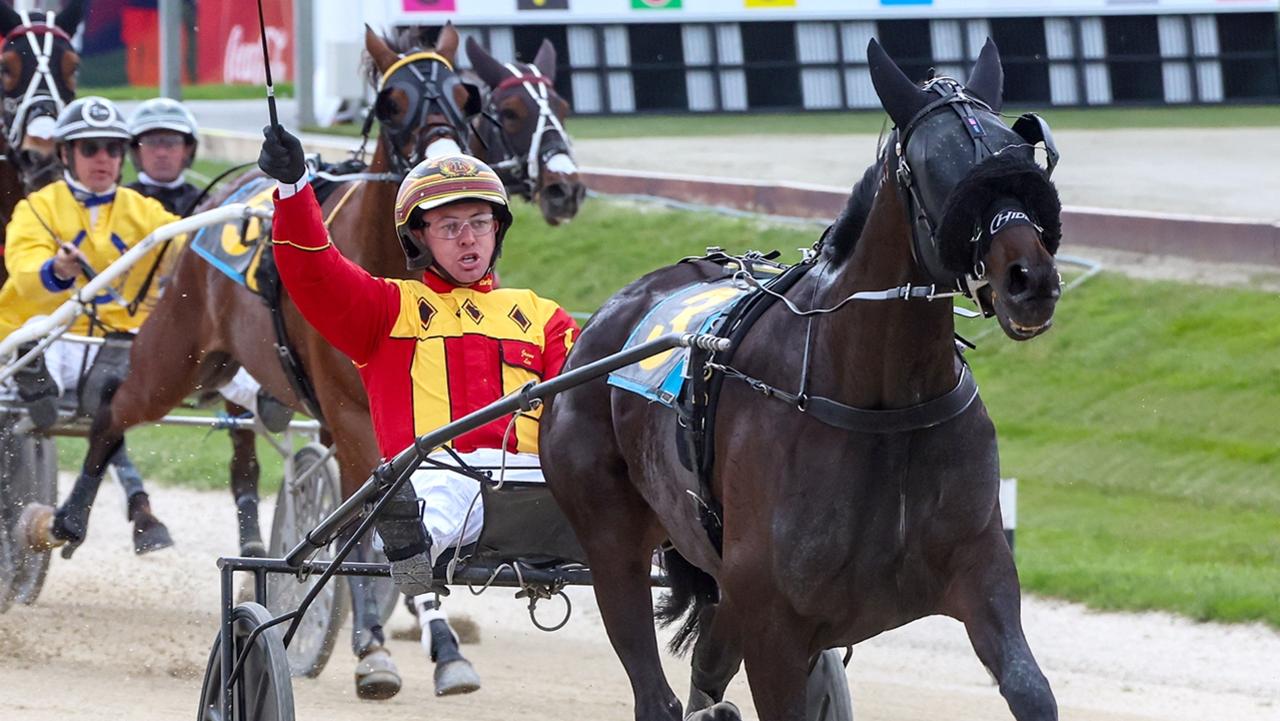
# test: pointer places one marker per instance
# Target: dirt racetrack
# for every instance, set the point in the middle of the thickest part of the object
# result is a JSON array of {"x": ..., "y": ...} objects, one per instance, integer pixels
[{"x": 115, "y": 636}]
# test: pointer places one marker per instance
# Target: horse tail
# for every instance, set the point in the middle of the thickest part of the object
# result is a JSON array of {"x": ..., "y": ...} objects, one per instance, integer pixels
[{"x": 692, "y": 590}]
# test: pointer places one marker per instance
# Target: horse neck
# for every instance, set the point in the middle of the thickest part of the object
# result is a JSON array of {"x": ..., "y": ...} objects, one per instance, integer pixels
[
  {"x": 364, "y": 229},
  {"x": 890, "y": 353}
]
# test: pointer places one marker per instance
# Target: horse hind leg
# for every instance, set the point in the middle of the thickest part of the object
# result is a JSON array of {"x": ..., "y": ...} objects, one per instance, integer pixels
[
  {"x": 619, "y": 531},
  {"x": 454, "y": 674},
  {"x": 717, "y": 654},
  {"x": 984, "y": 595},
  {"x": 376, "y": 675}
]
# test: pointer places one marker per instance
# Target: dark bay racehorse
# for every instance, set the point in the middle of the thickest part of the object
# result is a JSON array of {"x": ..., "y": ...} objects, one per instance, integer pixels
[
  {"x": 520, "y": 132},
  {"x": 869, "y": 500},
  {"x": 38, "y": 76}
]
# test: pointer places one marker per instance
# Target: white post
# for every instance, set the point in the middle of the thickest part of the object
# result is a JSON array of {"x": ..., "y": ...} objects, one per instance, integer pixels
[
  {"x": 304, "y": 62},
  {"x": 171, "y": 49}
]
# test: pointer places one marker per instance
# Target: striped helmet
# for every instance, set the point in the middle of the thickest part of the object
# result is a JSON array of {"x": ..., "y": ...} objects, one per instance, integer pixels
[
  {"x": 439, "y": 181},
  {"x": 90, "y": 117}
]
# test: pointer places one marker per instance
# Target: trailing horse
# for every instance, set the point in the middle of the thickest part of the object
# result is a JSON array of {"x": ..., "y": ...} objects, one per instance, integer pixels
[
  {"x": 38, "y": 70},
  {"x": 520, "y": 131},
  {"x": 847, "y": 479}
]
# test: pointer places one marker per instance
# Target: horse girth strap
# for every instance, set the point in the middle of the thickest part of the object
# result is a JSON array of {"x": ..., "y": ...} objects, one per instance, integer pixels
[
  {"x": 272, "y": 292},
  {"x": 921, "y": 416}
]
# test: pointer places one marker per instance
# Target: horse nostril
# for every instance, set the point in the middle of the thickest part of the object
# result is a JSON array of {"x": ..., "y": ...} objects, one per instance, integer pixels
[
  {"x": 556, "y": 192},
  {"x": 1019, "y": 280}
]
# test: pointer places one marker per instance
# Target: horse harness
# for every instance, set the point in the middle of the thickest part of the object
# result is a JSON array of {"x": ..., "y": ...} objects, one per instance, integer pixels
[
  {"x": 699, "y": 400},
  {"x": 427, "y": 80}
]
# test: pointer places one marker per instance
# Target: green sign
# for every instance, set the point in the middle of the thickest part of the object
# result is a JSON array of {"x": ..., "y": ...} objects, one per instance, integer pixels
[{"x": 656, "y": 4}]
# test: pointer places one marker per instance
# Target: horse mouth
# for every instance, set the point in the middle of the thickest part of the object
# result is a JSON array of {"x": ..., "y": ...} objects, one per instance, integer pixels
[{"x": 1018, "y": 331}]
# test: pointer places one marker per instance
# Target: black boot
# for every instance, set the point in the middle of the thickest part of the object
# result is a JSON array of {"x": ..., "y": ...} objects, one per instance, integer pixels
[
  {"x": 38, "y": 390},
  {"x": 251, "y": 545}
]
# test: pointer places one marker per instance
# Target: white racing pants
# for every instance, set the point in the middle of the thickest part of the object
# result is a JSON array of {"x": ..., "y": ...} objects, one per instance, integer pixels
[{"x": 452, "y": 499}]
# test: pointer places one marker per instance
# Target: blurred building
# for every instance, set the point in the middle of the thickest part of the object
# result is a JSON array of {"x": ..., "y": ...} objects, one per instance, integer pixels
[{"x": 624, "y": 56}]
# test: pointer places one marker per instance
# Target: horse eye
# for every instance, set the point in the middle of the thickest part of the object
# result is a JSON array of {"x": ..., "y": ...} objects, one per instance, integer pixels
[{"x": 509, "y": 114}]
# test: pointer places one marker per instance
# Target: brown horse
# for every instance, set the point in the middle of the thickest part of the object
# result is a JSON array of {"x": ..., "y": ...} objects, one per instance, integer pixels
[
  {"x": 520, "y": 131},
  {"x": 28, "y": 161},
  {"x": 867, "y": 499},
  {"x": 205, "y": 324}
]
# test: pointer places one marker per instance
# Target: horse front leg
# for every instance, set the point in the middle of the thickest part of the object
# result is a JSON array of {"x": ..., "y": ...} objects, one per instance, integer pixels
[
  {"x": 376, "y": 674},
  {"x": 985, "y": 596},
  {"x": 777, "y": 658}
]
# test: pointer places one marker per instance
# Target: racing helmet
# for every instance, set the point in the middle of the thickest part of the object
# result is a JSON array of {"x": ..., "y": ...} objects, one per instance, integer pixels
[
  {"x": 163, "y": 114},
  {"x": 90, "y": 117},
  {"x": 436, "y": 182}
]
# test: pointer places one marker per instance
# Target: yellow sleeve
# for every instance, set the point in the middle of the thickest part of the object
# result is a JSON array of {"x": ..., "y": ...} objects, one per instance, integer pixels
[{"x": 29, "y": 247}]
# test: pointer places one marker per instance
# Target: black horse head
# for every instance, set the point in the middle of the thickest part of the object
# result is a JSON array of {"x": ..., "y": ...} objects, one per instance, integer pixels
[
  {"x": 420, "y": 97},
  {"x": 964, "y": 176},
  {"x": 528, "y": 145},
  {"x": 38, "y": 69}
]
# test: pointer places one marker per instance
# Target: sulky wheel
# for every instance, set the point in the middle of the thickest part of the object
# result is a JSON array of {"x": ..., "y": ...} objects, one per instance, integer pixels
[
  {"x": 264, "y": 691},
  {"x": 307, "y": 495},
  {"x": 827, "y": 693},
  {"x": 28, "y": 474}
]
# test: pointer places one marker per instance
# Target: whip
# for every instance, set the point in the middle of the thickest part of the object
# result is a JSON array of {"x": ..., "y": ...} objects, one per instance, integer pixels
[{"x": 266, "y": 63}]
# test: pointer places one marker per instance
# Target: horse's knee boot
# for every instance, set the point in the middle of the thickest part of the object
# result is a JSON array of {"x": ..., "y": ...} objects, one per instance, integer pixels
[
  {"x": 377, "y": 677},
  {"x": 251, "y": 545},
  {"x": 149, "y": 534}
]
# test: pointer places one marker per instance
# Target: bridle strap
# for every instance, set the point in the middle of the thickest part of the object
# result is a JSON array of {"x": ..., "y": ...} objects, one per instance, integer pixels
[
  {"x": 43, "y": 74},
  {"x": 535, "y": 83},
  {"x": 411, "y": 58}
]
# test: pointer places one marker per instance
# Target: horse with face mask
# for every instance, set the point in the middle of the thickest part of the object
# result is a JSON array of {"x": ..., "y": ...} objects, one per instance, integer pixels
[
  {"x": 846, "y": 480},
  {"x": 38, "y": 70},
  {"x": 520, "y": 132}
]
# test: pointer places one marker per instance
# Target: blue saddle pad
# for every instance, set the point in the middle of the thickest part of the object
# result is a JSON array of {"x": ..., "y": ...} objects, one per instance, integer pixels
[
  {"x": 697, "y": 308},
  {"x": 235, "y": 247}
]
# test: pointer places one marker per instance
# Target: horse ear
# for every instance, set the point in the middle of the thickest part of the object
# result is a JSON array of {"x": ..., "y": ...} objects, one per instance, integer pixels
[
  {"x": 901, "y": 98},
  {"x": 447, "y": 43},
  {"x": 489, "y": 70},
  {"x": 68, "y": 19},
  {"x": 987, "y": 79},
  {"x": 545, "y": 60},
  {"x": 383, "y": 56},
  {"x": 9, "y": 19}
]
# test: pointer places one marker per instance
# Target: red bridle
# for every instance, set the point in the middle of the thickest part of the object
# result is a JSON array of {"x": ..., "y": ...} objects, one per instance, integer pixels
[
  {"x": 515, "y": 80},
  {"x": 37, "y": 29}
]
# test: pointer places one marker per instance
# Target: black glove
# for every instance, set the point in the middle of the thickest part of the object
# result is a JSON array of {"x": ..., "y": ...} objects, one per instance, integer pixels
[{"x": 281, "y": 155}]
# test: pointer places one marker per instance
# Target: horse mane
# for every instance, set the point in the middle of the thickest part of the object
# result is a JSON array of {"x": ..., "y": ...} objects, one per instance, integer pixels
[
  {"x": 401, "y": 42},
  {"x": 841, "y": 237}
]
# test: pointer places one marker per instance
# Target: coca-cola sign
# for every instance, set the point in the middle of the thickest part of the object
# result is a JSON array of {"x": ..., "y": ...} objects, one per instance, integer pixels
[{"x": 230, "y": 48}]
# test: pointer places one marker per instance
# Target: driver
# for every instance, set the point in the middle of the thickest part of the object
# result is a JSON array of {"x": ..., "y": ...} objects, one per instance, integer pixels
[
  {"x": 431, "y": 350},
  {"x": 58, "y": 237}
]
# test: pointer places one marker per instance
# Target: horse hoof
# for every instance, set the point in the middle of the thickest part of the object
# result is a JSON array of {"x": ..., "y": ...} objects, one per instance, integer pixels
[
  {"x": 148, "y": 537},
  {"x": 36, "y": 526},
  {"x": 455, "y": 677},
  {"x": 253, "y": 549},
  {"x": 377, "y": 678},
  {"x": 723, "y": 711}
]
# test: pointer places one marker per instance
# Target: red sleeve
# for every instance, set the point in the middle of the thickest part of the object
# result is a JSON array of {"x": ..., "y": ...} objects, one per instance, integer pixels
[
  {"x": 560, "y": 333},
  {"x": 352, "y": 309}
]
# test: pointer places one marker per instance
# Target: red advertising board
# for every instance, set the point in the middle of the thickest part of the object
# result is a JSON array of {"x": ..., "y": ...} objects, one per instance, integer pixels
[{"x": 230, "y": 47}]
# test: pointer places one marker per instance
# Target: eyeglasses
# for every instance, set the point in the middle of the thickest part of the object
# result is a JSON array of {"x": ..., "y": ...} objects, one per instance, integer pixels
[
  {"x": 451, "y": 229},
  {"x": 162, "y": 141},
  {"x": 90, "y": 148}
]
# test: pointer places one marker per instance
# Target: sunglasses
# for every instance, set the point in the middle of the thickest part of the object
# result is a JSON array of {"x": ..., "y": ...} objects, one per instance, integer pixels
[{"x": 90, "y": 148}]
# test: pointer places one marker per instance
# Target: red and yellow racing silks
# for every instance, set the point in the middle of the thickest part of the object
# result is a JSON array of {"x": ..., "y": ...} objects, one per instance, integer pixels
[{"x": 429, "y": 352}]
